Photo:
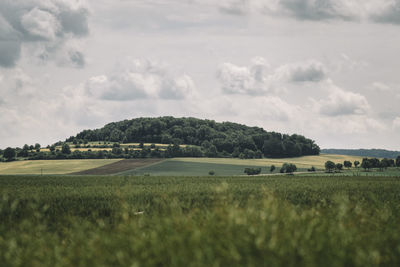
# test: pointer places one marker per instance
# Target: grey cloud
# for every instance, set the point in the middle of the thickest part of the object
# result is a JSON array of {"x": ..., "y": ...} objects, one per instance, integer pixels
[
  {"x": 312, "y": 10},
  {"x": 234, "y": 7},
  {"x": 305, "y": 72},
  {"x": 389, "y": 15},
  {"x": 10, "y": 52},
  {"x": 77, "y": 58},
  {"x": 50, "y": 23},
  {"x": 75, "y": 21},
  {"x": 379, "y": 11}
]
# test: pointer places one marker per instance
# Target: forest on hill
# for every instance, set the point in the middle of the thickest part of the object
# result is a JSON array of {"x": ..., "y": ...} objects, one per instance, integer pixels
[{"x": 207, "y": 137}]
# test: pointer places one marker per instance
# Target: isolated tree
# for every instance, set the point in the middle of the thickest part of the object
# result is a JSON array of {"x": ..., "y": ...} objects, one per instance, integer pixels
[
  {"x": 347, "y": 164},
  {"x": 312, "y": 169},
  {"x": 339, "y": 166},
  {"x": 65, "y": 149},
  {"x": 288, "y": 168},
  {"x": 329, "y": 166},
  {"x": 356, "y": 163},
  {"x": 291, "y": 168},
  {"x": 398, "y": 161},
  {"x": 252, "y": 171},
  {"x": 9, "y": 153},
  {"x": 272, "y": 168}
]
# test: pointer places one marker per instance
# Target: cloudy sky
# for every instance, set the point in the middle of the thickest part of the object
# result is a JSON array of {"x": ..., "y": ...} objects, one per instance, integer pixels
[{"x": 327, "y": 69}]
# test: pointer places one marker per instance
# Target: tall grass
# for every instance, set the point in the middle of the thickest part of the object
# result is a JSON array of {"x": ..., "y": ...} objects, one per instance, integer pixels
[{"x": 194, "y": 221}]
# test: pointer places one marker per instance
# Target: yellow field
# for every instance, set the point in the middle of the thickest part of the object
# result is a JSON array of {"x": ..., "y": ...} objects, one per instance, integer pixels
[
  {"x": 51, "y": 166},
  {"x": 302, "y": 162}
]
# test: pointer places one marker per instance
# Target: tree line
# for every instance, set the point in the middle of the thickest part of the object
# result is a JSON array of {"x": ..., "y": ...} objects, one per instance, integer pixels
[{"x": 366, "y": 163}]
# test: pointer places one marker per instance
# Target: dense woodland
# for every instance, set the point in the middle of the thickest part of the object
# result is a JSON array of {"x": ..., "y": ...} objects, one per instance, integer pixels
[{"x": 227, "y": 138}]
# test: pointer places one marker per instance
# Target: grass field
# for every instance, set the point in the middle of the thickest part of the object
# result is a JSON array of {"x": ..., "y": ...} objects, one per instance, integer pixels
[
  {"x": 199, "y": 221},
  {"x": 175, "y": 166},
  {"x": 234, "y": 166},
  {"x": 51, "y": 166}
]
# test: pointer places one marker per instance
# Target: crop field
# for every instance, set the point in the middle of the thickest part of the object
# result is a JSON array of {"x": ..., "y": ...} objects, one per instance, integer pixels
[
  {"x": 174, "y": 166},
  {"x": 119, "y": 166},
  {"x": 199, "y": 221},
  {"x": 51, "y": 166},
  {"x": 302, "y": 162}
]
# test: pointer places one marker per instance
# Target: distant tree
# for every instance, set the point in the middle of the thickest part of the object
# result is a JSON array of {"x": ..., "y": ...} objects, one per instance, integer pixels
[
  {"x": 141, "y": 145},
  {"x": 329, "y": 166},
  {"x": 288, "y": 168},
  {"x": 398, "y": 161},
  {"x": 252, "y": 171},
  {"x": 291, "y": 168},
  {"x": 31, "y": 147},
  {"x": 347, "y": 164},
  {"x": 272, "y": 168},
  {"x": 37, "y": 147},
  {"x": 65, "y": 149},
  {"x": 9, "y": 153},
  {"x": 339, "y": 166},
  {"x": 211, "y": 172},
  {"x": 356, "y": 163},
  {"x": 312, "y": 169},
  {"x": 366, "y": 164},
  {"x": 385, "y": 163}
]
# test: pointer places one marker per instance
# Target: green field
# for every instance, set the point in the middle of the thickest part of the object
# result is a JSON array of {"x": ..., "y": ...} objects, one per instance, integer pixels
[
  {"x": 175, "y": 166},
  {"x": 199, "y": 221},
  {"x": 186, "y": 168},
  {"x": 233, "y": 166}
]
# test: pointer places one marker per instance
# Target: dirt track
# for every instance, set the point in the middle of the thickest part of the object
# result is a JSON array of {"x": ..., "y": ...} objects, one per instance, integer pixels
[{"x": 120, "y": 166}]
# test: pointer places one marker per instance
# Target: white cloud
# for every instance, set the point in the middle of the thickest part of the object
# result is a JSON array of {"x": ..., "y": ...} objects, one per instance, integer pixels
[
  {"x": 141, "y": 79},
  {"x": 259, "y": 79},
  {"x": 48, "y": 24},
  {"x": 396, "y": 123},
  {"x": 380, "y": 87},
  {"x": 341, "y": 102},
  {"x": 40, "y": 23}
]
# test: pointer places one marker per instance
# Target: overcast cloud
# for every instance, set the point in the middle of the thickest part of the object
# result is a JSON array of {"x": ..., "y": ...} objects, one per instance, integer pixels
[{"x": 326, "y": 69}]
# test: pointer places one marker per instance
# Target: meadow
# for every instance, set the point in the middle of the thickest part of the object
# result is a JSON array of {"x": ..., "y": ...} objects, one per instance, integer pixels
[
  {"x": 174, "y": 166},
  {"x": 199, "y": 221}
]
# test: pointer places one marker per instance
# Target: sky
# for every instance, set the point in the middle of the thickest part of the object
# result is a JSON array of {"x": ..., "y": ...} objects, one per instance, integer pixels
[{"x": 326, "y": 69}]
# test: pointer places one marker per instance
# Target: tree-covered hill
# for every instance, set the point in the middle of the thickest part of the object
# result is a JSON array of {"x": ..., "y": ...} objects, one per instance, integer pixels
[{"x": 213, "y": 139}]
